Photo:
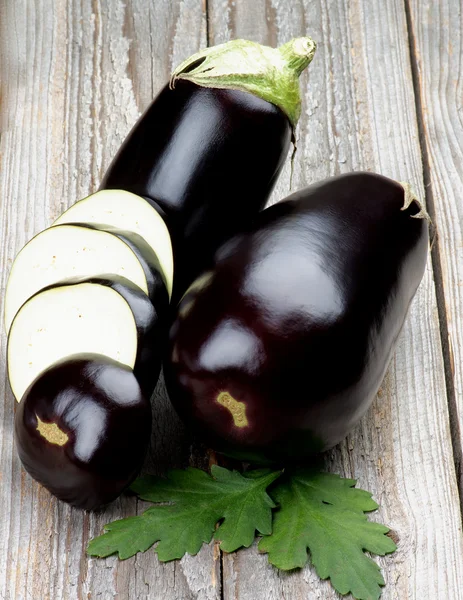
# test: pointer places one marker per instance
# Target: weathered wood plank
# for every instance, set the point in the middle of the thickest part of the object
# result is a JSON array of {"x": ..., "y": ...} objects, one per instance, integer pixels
[
  {"x": 359, "y": 114},
  {"x": 437, "y": 37},
  {"x": 75, "y": 76}
]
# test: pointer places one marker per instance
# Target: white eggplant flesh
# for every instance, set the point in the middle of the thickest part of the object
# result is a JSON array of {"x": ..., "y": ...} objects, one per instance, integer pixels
[
  {"x": 67, "y": 252},
  {"x": 129, "y": 212},
  {"x": 155, "y": 280},
  {"x": 69, "y": 320},
  {"x": 151, "y": 327}
]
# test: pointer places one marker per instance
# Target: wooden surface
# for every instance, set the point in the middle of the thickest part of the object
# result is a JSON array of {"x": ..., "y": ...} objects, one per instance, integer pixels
[
  {"x": 437, "y": 45},
  {"x": 384, "y": 93}
]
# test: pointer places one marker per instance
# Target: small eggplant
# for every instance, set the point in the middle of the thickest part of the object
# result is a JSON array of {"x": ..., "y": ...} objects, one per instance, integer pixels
[
  {"x": 227, "y": 117},
  {"x": 279, "y": 350},
  {"x": 82, "y": 430}
]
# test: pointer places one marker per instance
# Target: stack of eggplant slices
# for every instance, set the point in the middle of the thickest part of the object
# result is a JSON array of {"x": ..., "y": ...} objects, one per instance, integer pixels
[{"x": 176, "y": 239}]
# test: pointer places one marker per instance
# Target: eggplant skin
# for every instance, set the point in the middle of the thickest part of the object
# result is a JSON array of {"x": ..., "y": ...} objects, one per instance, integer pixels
[
  {"x": 100, "y": 423},
  {"x": 280, "y": 349},
  {"x": 190, "y": 153}
]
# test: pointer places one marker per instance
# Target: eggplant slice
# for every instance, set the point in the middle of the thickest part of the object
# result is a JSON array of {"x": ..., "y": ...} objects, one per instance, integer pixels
[
  {"x": 129, "y": 212},
  {"x": 68, "y": 320},
  {"x": 151, "y": 327},
  {"x": 155, "y": 279},
  {"x": 62, "y": 253}
]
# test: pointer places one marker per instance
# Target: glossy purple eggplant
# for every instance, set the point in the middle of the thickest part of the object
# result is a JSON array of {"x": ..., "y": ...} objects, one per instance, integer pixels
[
  {"x": 209, "y": 149},
  {"x": 82, "y": 430},
  {"x": 279, "y": 350}
]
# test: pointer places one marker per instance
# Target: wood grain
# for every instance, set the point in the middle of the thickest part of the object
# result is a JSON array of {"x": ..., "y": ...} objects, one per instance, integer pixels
[
  {"x": 437, "y": 48},
  {"x": 359, "y": 113},
  {"x": 75, "y": 75}
]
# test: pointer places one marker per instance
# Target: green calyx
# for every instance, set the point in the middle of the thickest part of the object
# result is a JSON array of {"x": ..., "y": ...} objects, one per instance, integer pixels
[{"x": 269, "y": 73}]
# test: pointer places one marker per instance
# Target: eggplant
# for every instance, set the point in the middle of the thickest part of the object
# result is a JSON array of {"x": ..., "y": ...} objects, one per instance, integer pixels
[
  {"x": 66, "y": 252},
  {"x": 66, "y": 320},
  {"x": 126, "y": 212},
  {"x": 227, "y": 117},
  {"x": 83, "y": 428},
  {"x": 280, "y": 348}
]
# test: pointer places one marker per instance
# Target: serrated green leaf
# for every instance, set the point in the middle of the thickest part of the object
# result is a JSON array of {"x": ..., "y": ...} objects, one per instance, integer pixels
[
  {"x": 197, "y": 502},
  {"x": 334, "y": 489},
  {"x": 324, "y": 514}
]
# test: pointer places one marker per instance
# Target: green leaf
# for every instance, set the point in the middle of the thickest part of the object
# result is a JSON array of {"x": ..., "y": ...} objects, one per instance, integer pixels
[
  {"x": 324, "y": 514},
  {"x": 197, "y": 502}
]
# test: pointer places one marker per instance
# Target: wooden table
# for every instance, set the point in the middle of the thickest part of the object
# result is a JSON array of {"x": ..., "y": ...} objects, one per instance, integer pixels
[{"x": 384, "y": 93}]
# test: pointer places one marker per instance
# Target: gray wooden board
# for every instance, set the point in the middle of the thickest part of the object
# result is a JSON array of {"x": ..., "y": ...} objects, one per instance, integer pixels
[
  {"x": 437, "y": 44},
  {"x": 359, "y": 113},
  {"x": 74, "y": 77}
]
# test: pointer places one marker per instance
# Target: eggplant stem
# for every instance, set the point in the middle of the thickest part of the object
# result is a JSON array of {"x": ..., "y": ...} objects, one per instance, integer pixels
[
  {"x": 298, "y": 53},
  {"x": 269, "y": 73},
  {"x": 409, "y": 197}
]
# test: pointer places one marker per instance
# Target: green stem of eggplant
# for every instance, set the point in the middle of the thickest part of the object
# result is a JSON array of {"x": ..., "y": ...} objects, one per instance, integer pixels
[
  {"x": 298, "y": 54},
  {"x": 269, "y": 73}
]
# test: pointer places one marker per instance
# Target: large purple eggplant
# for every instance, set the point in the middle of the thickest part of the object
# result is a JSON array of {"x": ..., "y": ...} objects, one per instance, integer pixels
[
  {"x": 280, "y": 348},
  {"x": 209, "y": 149}
]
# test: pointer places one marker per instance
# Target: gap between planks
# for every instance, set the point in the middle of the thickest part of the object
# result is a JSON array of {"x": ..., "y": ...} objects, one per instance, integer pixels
[
  {"x": 208, "y": 23},
  {"x": 436, "y": 261},
  {"x": 212, "y": 456}
]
